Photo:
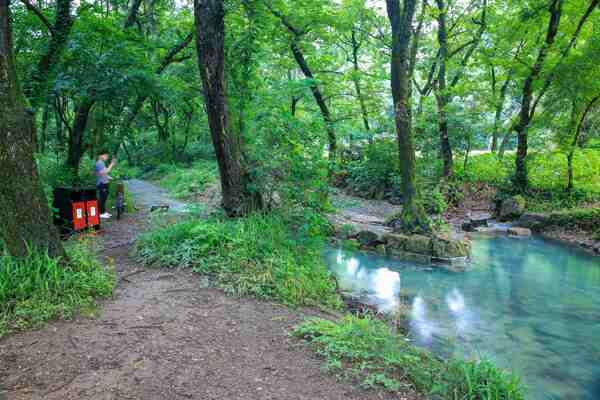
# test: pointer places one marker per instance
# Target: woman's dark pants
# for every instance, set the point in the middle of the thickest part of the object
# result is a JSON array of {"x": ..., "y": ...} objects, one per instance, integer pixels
[{"x": 103, "y": 189}]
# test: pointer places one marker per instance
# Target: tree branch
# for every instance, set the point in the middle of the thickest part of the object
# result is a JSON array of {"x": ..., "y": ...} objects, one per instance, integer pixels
[
  {"x": 39, "y": 14},
  {"x": 593, "y": 5}
]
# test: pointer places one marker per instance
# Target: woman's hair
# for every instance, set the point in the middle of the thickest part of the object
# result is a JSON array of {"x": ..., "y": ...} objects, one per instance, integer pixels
[{"x": 102, "y": 152}]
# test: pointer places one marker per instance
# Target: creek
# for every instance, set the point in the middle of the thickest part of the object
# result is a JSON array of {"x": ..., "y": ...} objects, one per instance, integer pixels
[{"x": 530, "y": 305}]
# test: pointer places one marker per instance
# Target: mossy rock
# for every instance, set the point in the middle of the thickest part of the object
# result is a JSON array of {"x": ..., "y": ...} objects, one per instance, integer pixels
[
  {"x": 512, "y": 208},
  {"x": 418, "y": 244},
  {"x": 450, "y": 248},
  {"x": 395, "y": 241}
]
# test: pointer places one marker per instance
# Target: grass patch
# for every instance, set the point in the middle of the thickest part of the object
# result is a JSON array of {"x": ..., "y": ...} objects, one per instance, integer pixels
[
  {"x": 268, "y": 256},
  {"x": 37, "y": 288},
  {"x": 185, "y": 182},
  {"x": 367, "y": 349}
]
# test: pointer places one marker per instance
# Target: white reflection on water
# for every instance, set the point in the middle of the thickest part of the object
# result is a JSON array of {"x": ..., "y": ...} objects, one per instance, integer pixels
[
  {"x": 352, "y": 266},
  {"x": 456, "y": 304},
  {"x": 456, "y": 301},
  {"x": 387, "y": 288},
  {"x": 424, "y": 326}
]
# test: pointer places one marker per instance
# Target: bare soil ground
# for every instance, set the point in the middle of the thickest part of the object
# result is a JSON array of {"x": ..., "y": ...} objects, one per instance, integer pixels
[{"x": 166, "y": 335}]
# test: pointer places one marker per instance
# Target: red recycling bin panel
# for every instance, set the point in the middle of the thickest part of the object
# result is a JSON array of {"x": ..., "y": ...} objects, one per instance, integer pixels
[
  {"x": 93, "y": 218},
  {"x": 79, "y": 215}
]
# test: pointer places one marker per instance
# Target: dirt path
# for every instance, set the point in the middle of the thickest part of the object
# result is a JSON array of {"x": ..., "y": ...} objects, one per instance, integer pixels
[{"x": 166, "y": 335}]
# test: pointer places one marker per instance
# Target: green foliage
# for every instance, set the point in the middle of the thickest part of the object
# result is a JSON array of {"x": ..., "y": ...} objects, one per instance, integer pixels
[
  {"x": 367, "y": 349},
  {"x": 434, "y": 200},
  {"x": 485, "y": 168},
  {"x": 267, "y": 256},
  {"x": 184, "y": 182},
  {"x": 37, "y": 288},
  {"x": 375, "y": 172},
  {"x": 547, "y": 175}
]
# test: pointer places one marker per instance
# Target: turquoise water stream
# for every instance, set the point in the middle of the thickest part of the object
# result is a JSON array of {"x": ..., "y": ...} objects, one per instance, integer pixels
[{"x": 530, "y": 305}]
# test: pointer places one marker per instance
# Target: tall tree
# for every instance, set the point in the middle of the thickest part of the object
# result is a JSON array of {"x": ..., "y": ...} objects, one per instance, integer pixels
[
  {"x": 238, "y": 198},
  {"x": 413, "y": 217},
  {"x": 529, "y": 102},
  {"x": 443, "y": 88},
  {"x": 24, "y": 213}
]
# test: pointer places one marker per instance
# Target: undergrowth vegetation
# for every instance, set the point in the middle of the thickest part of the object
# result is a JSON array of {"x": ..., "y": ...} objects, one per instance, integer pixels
[
  {"x": 547, "y": 175},
  {"x": 268, "y": 256},
  {"x": 37, "y": 288},
  {"x": 183, "y": 182},
  {"x": 367, "y": 350},
  {"x": 373, "y": 174}
]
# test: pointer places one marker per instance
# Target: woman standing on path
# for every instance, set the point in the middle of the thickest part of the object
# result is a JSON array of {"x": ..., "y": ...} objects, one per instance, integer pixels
[{"x": 102, "y": 179}]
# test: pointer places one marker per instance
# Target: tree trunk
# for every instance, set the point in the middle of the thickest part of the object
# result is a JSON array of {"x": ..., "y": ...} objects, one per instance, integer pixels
[
  {"x": 24, "y": 213},
  {"x": 413, "y": 217},
  {"x": 525, "y": 114},
  {"x": 77, "y": 134},
  {"x": 441, "y": 95},
  {"x": 238, "y": 198},
  {"x": 133, "y": 12}
]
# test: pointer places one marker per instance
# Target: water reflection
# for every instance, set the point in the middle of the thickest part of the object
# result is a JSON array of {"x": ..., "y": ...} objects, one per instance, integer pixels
[
  {"x": 533, "y": 306},
  {"x": 420, "y": 323}
]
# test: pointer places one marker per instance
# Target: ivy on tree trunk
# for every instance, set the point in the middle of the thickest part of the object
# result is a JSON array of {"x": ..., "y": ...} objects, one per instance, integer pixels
[
  {"x": 24, "y": 210},
  {"x": 413, "y": 217}
]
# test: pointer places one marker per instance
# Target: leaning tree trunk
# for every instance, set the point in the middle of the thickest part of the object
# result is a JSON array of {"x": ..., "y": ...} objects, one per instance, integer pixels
[
  {"x": 356, "y": 80},
  {"x": 318, "y": 96},
  {"x": 413, "y": 217},
  {"x": 526, "y": 113},
  {"x": 37, "y": 87},
  {"x": 24, "y": 213},
  {"x": 238, "y": 199},
  {"x": 320, "y": 102}
]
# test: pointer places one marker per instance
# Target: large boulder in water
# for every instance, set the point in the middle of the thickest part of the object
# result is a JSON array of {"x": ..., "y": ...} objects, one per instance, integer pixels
[{"x": 512, "y": 208}]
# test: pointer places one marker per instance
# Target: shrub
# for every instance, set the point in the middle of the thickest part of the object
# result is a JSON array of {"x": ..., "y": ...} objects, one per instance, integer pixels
[
  {"x": 37, "y": 288},
  {"x": 267, "y": 256},
  {"x": 376, "y": 172},
  {"x": 581, "y": 218},
  {"x": 434, "y": 200},
  {"x": 367, "y": 349}
]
